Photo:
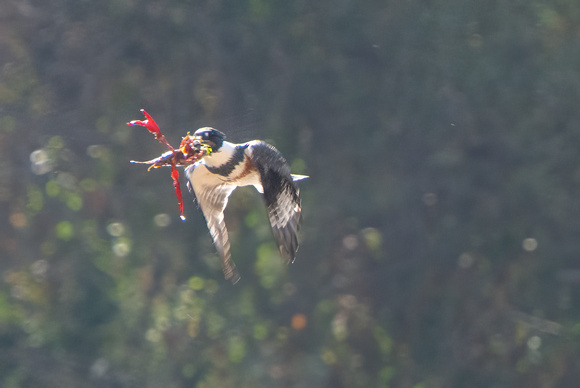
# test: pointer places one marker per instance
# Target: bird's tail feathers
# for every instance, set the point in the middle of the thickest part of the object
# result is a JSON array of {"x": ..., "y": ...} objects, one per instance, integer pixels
[{"x": 297, "y": 177}]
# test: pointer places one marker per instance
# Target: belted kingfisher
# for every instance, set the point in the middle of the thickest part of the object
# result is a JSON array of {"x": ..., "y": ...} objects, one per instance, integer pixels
[{"x": 227, "y": 166}]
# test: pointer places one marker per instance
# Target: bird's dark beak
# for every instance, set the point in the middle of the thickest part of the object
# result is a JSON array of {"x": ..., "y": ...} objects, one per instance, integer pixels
[{"x": 207, "y": 145}]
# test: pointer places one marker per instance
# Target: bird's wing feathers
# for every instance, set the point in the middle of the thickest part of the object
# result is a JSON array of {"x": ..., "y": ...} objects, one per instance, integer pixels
[
  {"x": 212, "y": 195},
  {"x": 280, "y": 195}
]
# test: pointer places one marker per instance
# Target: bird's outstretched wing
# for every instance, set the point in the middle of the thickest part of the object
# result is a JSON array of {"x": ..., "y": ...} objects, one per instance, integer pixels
[
  {"x": 280, "y": 195},
  {"x": 212, "y": 195}
]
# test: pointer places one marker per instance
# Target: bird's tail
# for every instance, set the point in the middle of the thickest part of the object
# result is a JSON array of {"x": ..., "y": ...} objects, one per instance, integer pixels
[{"x": 296, "y": 177}]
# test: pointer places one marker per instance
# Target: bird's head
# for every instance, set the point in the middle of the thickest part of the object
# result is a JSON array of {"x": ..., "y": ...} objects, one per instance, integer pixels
[{"x": 210, "y": 137}]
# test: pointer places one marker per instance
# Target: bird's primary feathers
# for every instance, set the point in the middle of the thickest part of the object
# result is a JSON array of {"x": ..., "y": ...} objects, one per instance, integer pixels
[{"x": 213, "y": 179}]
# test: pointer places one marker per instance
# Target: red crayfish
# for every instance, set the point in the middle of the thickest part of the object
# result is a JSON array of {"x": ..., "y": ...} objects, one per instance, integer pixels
[{"x": 190, "y": 151}]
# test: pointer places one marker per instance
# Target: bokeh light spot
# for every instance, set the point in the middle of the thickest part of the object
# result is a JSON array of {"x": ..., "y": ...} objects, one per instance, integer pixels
[
  {"x": 372, "y": 238},
  {"x": 96, "y": 151},
  {"x": 260, "y": 331},
  {"x": 52, "y": 189},
  {"x": 39, "y": 268},
  {"x": 534, "y": 343},
  {"x": 299, "y": 321},
  {"x": 236, "y": 349},
  {"x": 196, "y": 283},
  {"x": 465, "y": 260},
  {"x": 211, "y": 286},
  {"x": 116, "y": 229},
  {"x": 153, "y": 335},
  {"x": 530, "y": 244},
  {"x": 121, "y": 247},
  {"x": 99, "y": 368},
  {"x": 329, "y": 357},
  {"x": 66, "y": 180},
  {"x": 350, "y": 242},
  {"x": 18, "y": 220},
  {"x": 74, "y": 202},
  {"x": 162, "y": 220},
  {"x": 40, "y": 162},
  {"x": 64, "y": 230}
]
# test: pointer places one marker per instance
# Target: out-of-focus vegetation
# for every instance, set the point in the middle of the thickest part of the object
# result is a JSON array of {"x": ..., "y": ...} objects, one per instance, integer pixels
[{"x": 441, "y": 235}]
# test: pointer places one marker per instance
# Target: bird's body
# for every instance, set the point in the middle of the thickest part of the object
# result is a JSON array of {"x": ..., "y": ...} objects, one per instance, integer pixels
[{"x": 213, "y": 179}]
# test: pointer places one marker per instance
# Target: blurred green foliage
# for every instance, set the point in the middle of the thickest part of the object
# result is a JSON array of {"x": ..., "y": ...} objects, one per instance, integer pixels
[{"x": 440, "y": 237}]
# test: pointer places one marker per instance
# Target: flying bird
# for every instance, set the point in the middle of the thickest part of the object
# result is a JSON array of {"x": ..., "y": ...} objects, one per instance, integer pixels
[{"x": 214, "y": 177}]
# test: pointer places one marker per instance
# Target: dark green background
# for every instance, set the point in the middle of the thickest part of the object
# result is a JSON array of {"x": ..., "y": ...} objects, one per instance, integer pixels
[{"x": 441, "y": 233}]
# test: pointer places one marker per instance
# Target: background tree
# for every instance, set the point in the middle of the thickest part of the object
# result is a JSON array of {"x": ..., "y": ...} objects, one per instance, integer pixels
[{"x": 440, "y": 235}]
